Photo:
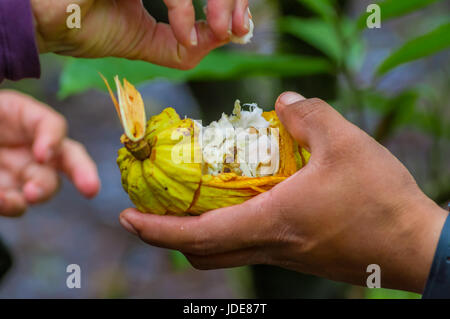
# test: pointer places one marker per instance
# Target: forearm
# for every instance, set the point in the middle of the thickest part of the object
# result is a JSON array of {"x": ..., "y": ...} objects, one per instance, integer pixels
[{"x": 18, "y": 52}]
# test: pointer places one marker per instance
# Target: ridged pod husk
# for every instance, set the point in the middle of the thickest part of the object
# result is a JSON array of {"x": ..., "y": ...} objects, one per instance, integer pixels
[
  {"x": 160, "y": 184},
  {"x": 161, "y": 164}
]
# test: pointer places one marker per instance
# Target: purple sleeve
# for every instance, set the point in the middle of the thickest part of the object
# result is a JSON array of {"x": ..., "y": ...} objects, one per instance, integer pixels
[{"x": 19, "y": 57}]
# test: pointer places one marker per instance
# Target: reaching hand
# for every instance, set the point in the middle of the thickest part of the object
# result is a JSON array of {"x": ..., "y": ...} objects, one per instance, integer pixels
[
  {"x": 352, "y": 205},
  {"x": 33, "y": 148},
  {"x": 123, "y": 28}
]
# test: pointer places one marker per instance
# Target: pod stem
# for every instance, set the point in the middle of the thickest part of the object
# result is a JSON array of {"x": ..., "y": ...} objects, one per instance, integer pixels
[{"x": 141, "y": 150}]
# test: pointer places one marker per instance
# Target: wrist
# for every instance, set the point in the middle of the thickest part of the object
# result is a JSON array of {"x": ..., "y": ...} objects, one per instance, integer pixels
[{"x": 426, "y": 220}]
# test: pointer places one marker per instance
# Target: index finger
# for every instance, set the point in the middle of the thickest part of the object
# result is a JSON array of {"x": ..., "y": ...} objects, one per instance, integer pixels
[
  {"x": 182, "y": 21},
  {"x": 218, "y": 231},
  {"x": 79, "y": 167}
]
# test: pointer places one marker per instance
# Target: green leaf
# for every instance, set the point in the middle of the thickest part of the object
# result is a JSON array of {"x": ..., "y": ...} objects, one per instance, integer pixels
[
  {"x": 405, "y": 110},
  {"x": 318, "y": 33},
  {"x": 179, "y": 261},
  {"x": 431, "y": 123},
  {"x": 396, "y": 112},
  {"x": 324, "y": 8},
  {"x": 381, "y": 293},
  {"x": 425, "y": 45},
  {"x": 395, "y": 8},
  {"x": 81, "y": 74},
  {"x": 355, "y": 47}
]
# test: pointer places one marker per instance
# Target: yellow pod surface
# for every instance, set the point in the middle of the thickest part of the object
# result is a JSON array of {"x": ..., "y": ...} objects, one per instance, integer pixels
[{"x": 161, "y": 185}]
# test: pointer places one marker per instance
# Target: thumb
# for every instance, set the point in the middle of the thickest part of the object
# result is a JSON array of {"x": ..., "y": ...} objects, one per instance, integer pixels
[{"x": 311, "y": 122}]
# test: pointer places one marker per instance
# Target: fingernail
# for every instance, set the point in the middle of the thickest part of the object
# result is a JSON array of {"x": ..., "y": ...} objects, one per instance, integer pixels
[
  {"x": 194, "y": 40},
  {"x": 125, "y": 224},
  {"x": 247, "y": 20},
  {"x": 289, "y": 98}
]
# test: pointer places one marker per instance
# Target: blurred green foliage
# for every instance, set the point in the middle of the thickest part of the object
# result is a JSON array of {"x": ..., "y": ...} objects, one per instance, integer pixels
[
  {"x": 380, "y": 293},
  {"x": 430, "y": 43},
  {"x": 394, "y": 8},
  {"x": 340, "y": 39},
  {"x": 179, "y": 261},
  {"x": 317, "y": 32},
  {"x": 82, "y": 74}
]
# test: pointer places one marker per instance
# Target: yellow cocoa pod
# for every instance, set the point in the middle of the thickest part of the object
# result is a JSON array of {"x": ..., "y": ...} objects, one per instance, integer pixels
[{"x": 165, "y": 163}]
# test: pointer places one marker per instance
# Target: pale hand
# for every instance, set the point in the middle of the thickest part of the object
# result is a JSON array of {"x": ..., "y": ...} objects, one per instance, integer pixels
[
  {"x": 123, "y": 28},
  {"x": 33, "y": 149}
]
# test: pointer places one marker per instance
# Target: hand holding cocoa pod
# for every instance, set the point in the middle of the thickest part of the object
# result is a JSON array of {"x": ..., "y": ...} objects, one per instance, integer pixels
[{"x": 352, "y": 205}]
